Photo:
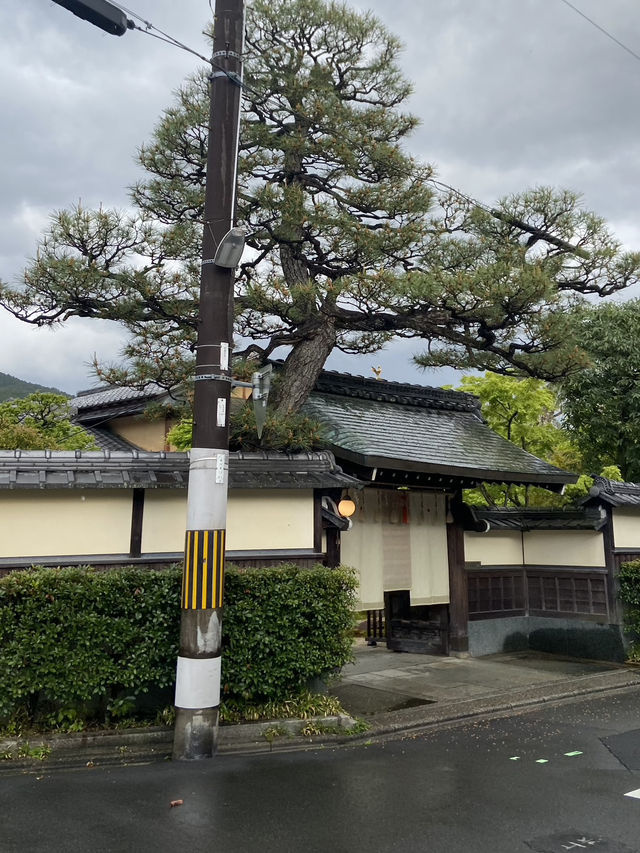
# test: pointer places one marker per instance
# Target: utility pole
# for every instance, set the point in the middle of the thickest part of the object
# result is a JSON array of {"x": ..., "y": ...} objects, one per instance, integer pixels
[{"x": 197, "y": 696}]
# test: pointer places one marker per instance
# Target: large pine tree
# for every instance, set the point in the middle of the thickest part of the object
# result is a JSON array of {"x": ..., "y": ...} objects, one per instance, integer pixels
[{"x": 350, "y": 243}]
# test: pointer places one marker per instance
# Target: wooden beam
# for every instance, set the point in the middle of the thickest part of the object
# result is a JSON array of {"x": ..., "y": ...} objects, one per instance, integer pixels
[
  {"x": 317, "y": 521},
  {"x": 458, "y": 588},
  {"x": 137, "y": 513}
]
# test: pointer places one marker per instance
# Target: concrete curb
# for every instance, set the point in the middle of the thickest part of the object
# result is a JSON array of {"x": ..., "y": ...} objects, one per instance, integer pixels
[
  {"x": 430, "y": 716},
  {"x": 139, "y": 746}
]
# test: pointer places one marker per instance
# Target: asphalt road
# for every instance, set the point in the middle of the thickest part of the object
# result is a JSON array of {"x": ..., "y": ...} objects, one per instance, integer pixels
[{"x": 543, "y": 780}]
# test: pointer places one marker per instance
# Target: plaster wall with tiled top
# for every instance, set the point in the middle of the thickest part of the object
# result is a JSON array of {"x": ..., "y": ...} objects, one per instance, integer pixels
[
  {"x": 626, "y": 527},
  {"x": 143, "y": 433},
  {"x": 44, "y": 523},
  {"x": 538, "y": 547},
  {"x": 255, "y": 520}
]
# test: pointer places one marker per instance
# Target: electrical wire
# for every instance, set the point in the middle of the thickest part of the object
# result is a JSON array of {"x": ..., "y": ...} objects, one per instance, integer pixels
[
  {"x": 601, "y": 29},
  {"x": 175, "y": 43},
  {"x": 440, "y": 185},
  {"x": 148, "y": 26}
]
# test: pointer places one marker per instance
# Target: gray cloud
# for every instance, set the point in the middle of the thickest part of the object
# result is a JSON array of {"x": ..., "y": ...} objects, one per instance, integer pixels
[{"x": 510, "y": 95}]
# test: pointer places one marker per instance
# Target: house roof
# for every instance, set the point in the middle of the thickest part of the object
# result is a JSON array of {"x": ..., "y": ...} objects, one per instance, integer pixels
[
  {"x": 392, "y": 426},
  {"x": 108, "y": 440},
  {"x": 105, "y": 403},
  {"x": 410, "y": 434},
  {"x": 36, "y": 469},
  {"x": 540, "y": 519},
  {"x": 613, "y": 493}
]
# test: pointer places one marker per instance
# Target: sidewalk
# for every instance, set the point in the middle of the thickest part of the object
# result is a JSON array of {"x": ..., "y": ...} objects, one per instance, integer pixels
[
  {"x": 393, "y": 692},
  {"x": 397, "y": 691}
]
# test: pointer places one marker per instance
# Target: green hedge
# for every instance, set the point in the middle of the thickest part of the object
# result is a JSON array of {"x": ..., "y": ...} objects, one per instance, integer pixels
[
  {"x": 629, "y": 579},
  {"x": 80, "y": 642}
]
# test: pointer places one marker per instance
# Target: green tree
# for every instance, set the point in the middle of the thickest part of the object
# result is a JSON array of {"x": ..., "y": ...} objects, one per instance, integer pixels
[
  {"x": 524, "y": 411},
  {"x": 351, "y": 243},
  {"x": 602, "y": 402},
  {"x": 41, "y": 421}
]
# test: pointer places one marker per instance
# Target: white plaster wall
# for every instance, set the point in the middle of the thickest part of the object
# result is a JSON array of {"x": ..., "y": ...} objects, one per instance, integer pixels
[
  {"x": 52, "y": 522},
  {"x": 164, "y": 521},
  {"x": 143, "y": 433},
  {"x": 497, "y": 548},
  {"x": 281, "y": 518},
  {"x": 564, "y": 548},
  {"x": 626, "y": 527},
  {"x": 535, "y": 547},
  {"x": 256, "y": 520}
]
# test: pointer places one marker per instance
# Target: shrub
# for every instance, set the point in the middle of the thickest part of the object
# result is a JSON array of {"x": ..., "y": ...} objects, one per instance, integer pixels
[
  {"x": 284, "y": 626},
  {"x": 80, "y": 644},
  {"x": 291, "y": 432},
  {"x": 74, "y": 641},
  {"x": 629, "y": 578}
]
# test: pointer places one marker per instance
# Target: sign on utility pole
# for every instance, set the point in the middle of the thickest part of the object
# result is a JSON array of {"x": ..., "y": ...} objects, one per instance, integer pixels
[{"x": 198, "y": 673}]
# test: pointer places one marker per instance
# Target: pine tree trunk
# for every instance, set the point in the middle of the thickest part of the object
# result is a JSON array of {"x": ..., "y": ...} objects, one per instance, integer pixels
[{"x": 303, "y": 366}]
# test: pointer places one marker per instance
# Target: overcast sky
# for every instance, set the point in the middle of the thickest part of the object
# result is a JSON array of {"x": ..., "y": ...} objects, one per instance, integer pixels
[{"x": 510, "y": 93}]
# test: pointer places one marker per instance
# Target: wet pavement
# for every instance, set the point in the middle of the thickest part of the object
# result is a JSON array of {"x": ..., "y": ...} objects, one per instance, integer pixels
[
  {"x": 546, "y": 779},
  {"x": 382, "y": 681}
]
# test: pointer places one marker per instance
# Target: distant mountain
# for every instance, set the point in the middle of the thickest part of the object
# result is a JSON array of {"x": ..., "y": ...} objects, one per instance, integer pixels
[{"x": 12, "y": 388}]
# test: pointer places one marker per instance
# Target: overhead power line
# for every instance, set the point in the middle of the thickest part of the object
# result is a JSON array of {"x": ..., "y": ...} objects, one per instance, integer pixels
[
  {"x": 537, "y": 233},
  {"x": 601, "y": 29}
]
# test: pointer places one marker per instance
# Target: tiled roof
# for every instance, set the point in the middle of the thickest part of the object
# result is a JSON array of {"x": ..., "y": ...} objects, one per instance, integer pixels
[
  {"x": 541, "y": 519},
  {"x": 98, "y": 404},
  {"x": 107, "y": 440},
  {"x": 109, "y": 394},
  {"x": 48, "y": 469},
  {"x": 408, "y": 427},
  {"x": 613, "y": 493},
  {"x": 375, "y": 423},
  {"x": 403, "y": 393}
]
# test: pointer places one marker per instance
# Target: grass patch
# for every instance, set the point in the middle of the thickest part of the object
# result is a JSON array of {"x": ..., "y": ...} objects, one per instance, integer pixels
[{"x": 297, "y": 708}]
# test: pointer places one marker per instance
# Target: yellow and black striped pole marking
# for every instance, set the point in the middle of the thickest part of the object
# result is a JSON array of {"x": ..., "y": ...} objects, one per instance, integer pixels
[{"x": 203, "y": 574}]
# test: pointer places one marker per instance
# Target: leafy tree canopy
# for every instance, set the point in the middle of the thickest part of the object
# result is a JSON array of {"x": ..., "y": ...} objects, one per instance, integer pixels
[
  {"x": 41, "y": 421},
  {"x": 351, "y": 242},
  {"x": 524, "y": 411},
  {"x": 601, "y": 403}
]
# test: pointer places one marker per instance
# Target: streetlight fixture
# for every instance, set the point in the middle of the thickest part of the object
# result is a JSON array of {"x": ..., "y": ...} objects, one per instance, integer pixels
[
  {"x": 230, "y": 249},
  {"x": 101, "y": 14}
]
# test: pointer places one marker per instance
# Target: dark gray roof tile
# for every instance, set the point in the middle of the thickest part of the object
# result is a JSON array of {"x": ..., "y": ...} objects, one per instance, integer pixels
[
  {"x": 381, "y": 433},
  {"x": 613, "y": 493},
  {"x": 140, "y": 469},
  {"x": 540, "y": 519}
]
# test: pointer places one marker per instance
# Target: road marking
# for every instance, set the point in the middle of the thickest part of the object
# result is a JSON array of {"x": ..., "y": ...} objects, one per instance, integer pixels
[
  {"x": 542, "y": 760},
  {"x": 635, "y": 794},
  {"x": 515, "y": 758},
  {"x": 575, "y": 752}
]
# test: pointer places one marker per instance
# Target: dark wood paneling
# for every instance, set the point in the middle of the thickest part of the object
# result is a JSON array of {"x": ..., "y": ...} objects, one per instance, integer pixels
[
  {"x": 423, "y": 629},
  {"x": 160, "y": 561},
  {"x": 540, "y": 590},
  {"x": 375, "y": 625},
  {"x": 317, "y": 521},
  {"x": 491, "y": 593},
  {"x": 458, "y": 588}
]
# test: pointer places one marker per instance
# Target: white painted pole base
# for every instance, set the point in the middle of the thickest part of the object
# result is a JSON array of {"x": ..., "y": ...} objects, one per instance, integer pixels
[{"x": 198, "y": 682}]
